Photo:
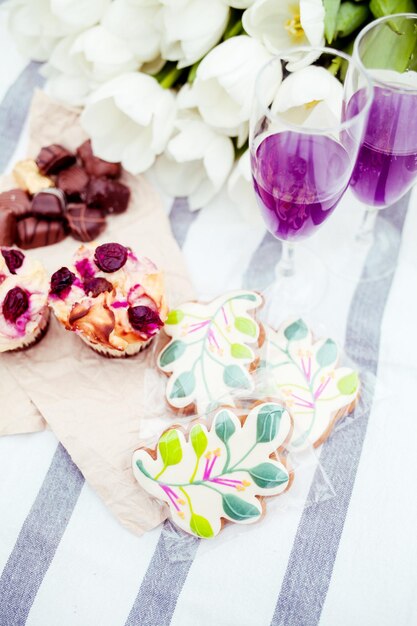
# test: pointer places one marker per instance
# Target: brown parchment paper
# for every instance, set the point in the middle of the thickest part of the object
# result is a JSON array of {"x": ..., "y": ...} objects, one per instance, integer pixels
[{"x": 97, "y": 406}]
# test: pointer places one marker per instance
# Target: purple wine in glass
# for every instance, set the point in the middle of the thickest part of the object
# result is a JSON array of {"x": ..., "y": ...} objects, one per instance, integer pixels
[
  {"x": 298, "y": 180},
  {"x": 387, "y": 163}
]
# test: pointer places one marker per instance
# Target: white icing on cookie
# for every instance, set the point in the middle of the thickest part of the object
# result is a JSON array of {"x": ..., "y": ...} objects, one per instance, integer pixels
[
  {"x": 218, "y": 473},
  {"x": 209, "y": 355},
  {"x": 304, "y": 374}
]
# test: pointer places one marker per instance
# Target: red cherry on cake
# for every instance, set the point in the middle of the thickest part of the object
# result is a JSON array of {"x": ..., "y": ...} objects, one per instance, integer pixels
[
  {"x": 14, "y": 259},
  {"x": 110, "y": 257},
  {"x": 144, "y": 320},
  {"x": 61, "y": 280},
  {"x": 15, "y": 304}
]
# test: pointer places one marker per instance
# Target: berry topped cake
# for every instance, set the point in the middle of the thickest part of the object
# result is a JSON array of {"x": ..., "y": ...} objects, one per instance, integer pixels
[
  {"x": 111, "y": 298},
  {"x": 24, "y": 312}
]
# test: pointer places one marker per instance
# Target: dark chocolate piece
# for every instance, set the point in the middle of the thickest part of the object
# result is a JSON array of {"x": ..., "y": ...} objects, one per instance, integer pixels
[
  {"x": 95, "y": 166},
  {"x": 93, "y": 287},
  {"x": 49, "y": 204},
  {"x": 108, "y": 195},
  {"x": 85, "y": 224},
  {"x": 7, "y": 228},
  {"x": 17, "y": 201},
  {"x": 73, "y": 182},
  {"x": 34, "y": 233},
  {"x": 52, "y": 159}
]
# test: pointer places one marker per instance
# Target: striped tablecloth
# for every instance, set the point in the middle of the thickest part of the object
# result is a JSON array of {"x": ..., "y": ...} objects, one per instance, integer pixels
[{"x": 347, "y": 561}]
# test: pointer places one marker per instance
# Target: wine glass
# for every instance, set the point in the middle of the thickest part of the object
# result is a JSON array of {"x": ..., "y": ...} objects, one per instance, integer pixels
[
  {"x": 386, "y": 167},
  {"x": 303, "y": 145}
]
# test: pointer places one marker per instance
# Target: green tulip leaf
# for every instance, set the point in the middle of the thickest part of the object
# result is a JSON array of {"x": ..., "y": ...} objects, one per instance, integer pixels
[
  {"x": 236, "y": 377},
  {"x": 267, "y": 423},
  {"x": 240, "y": 351},
  {"x": 296, "y": 331},
  {"x": 327, "y": 353},
  {"x": 183, "y": 385},
  {"x": 348, "y": 384},
  {"x": 224, "y": 426},
  {"x": 246, "y": 326},
  {"x": 175, "y": 317}
]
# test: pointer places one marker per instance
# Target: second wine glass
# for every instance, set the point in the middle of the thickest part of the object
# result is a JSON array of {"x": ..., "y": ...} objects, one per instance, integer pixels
[{"x": 303, "y": 145}]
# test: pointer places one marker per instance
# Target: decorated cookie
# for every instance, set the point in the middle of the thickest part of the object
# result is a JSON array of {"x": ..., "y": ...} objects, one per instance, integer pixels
[
  {"x": 305, "y": 374},
  {"x": 211, "y": 352},
  {"x": 221, "y": 473}
]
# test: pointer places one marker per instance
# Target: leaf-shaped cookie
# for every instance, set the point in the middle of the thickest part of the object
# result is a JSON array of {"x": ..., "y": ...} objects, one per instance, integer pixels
[
  {"x": 221, "y": 473},
  {"x": 211, "y": 351},
  {"x": 305, "y": 374}
]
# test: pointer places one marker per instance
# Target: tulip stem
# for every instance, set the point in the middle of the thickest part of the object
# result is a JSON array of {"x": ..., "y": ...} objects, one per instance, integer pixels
[
  {"x": 171, "y": 77},
  {"x": 193, "y": 72},
  {"x": 234, "y": 26}
]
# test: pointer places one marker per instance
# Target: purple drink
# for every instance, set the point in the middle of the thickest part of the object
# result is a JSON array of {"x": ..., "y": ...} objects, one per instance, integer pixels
[
  {"x": 387, "y": 163},
  {"x": 298, "y": 180}
]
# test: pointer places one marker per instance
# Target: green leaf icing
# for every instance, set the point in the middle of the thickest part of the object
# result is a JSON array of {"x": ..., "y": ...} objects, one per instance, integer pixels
[
  {"x": 268, "y": 423},
  {"x": 327, "y": 354},
  {"x": 183, "y": 385},
  {"x": 172, "y": 352},
  {"x": 246, "y": 326},
  {"x": 225, "y": 427},
  {"x": 296, "y": 331},
  {"x": 141, "y": 467},
  {"x": 236, "y": 377},
  {"x": 238, "y": 509},
  {"x": 268, "y": 475},
  {"x": 240, "y": 351},
  {"x": 170, "y": 448},
  {"x": 201, "y": 526},
  {"x": 199, "y": 440},
  {"x": 175, "y": 317},
  {"x": 348, "y": 384},
  {"x": 218, "y": 472}
]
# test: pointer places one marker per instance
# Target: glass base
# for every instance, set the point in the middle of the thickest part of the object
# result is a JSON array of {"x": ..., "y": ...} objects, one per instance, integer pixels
[
  {"x": 368, "y": 255},
  {"x": 296, "y": 294}
]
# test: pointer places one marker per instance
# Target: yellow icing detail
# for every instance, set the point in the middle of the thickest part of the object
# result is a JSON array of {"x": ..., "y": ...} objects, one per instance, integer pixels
[
  {"x": 240, "y": 488},
  {"x": 181, "y": 501},
  {"x": 207, "y": 455},
  {"x": 181, "y": 514},
  {"x": 217, "y": 452},
  {"x": 246, "y": 483}
]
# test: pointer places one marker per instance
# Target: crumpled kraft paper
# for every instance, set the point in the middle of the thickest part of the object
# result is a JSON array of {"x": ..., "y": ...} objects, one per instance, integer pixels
[{"x": 97, "y": 406}]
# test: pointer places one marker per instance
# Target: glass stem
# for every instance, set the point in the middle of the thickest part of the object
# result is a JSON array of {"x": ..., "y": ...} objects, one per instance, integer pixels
[
  {"x": 366, "y": 231},
  {"x": 286, "y": 266}
]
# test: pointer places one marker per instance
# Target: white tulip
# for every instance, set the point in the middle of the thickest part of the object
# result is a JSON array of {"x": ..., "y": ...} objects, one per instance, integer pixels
[
  {"x": 79, "y": 63},
  {"x": 311, "y": 95},
  {"x": 196, "y": 162},
  {"x": 224, "y": 84},
  {"x": 241, "y": 192},
  {"x": 190, "y": 28},
  {"x": 239, "y": 4},
  {"x": 285, "y": 24},
  {"x": 130, "y": 119},
  {"x": 138, "y": 23},
  {"x": 38, "y": 25}
]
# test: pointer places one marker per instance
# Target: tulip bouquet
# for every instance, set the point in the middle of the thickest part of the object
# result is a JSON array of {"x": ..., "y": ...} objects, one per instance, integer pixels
[{"x": 168, "y": 84}]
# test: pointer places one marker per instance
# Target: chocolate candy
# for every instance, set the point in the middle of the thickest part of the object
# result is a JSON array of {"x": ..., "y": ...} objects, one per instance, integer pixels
[
  {"x": 85, "y": 224},
  {"x": 54, "y": 158},
  {"x": 108, "y": 195},
  {"x": 49, "y": 204},
  {"x": 33, "y": 232},
  {"x": 95, "y": 166},
  {"x": 17, "y": 201},
  {"x": 73, "y": 182},
  {"x": 7, "y": 228},
  {"x": 28, "y": 177}
]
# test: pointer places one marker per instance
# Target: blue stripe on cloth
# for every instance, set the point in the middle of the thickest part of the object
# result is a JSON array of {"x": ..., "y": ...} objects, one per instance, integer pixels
[
  {"x": 38, "y": 539},
  {"x": 160, "y": 589},
  {"x": 14, "y": 109},
  {"x": 260, "y": 272},
  {"x": 181, "y": 219},
  {"x": 310, "y": 566}
]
